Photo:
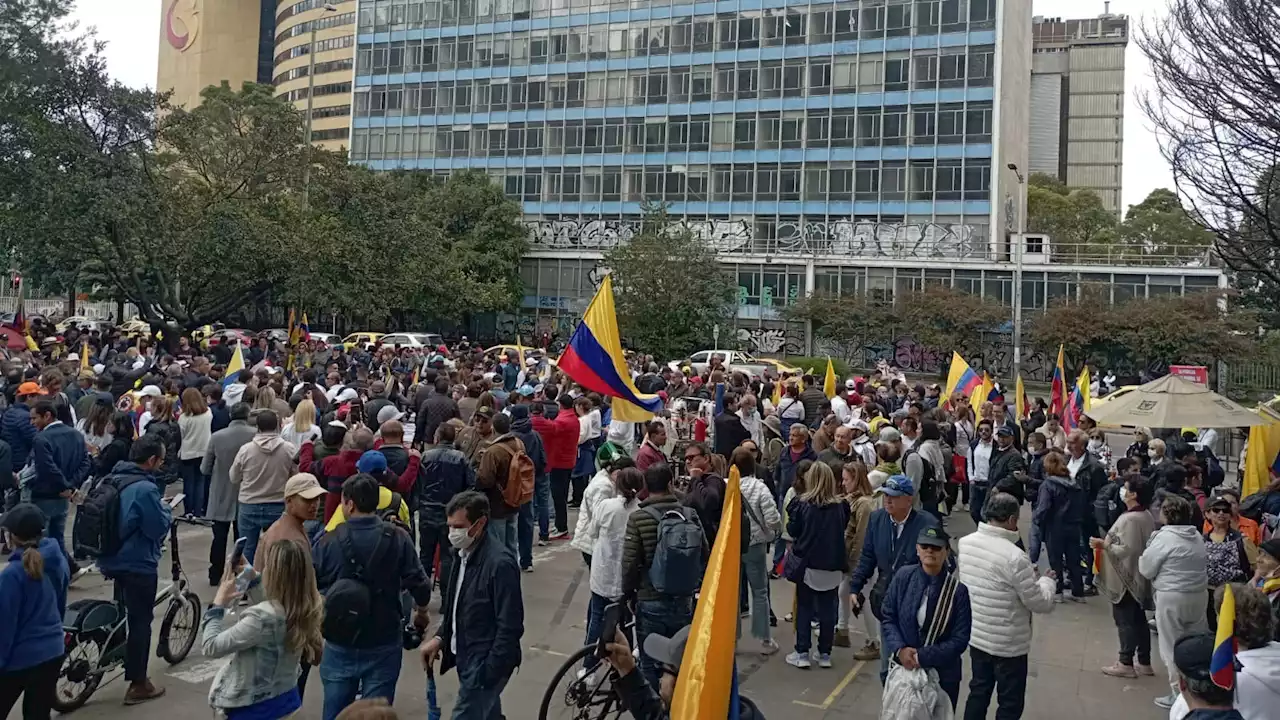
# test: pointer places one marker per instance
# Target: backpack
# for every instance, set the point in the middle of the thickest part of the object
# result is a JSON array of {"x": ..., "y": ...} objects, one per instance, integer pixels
[
  {"x": 677, "y": 556},
  {"x": 96, "y": 531},
  {"x": 518, "y": 489},
  {"x": 928, "y": 490},
  {"x": 349, "y": 602},
  {"x": 1106, "y": 506},
  {"x": 391, "y": 513}
]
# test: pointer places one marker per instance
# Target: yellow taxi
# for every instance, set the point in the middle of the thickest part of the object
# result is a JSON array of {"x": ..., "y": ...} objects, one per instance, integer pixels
[
  {"x": 499, "y": 350},
  {"x": 135, "y": 328},
  {"x": 362, "y": 339},
  {"x": 780, "y": 367},
  {"x": 1114, "y": 394}
]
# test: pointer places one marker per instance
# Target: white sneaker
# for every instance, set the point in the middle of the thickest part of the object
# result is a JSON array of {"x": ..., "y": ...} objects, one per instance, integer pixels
[
  {"x": 824, "y": 660},
  {"x": 768, "y": 647},
  {"x": 798, "y": 660}
]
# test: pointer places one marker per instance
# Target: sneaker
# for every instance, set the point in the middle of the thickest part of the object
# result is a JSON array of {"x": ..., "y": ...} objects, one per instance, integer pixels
[
  {"x": 744, "y": 613},
  {"x": 1146, "y": 670},
  {"x": 773, "y": 575},
  {"x": 560, "y": 535},
  {"x": 1058, "y": 599},
  {"x": 789, "y": 617},
  {"x": 813, "y": 624},
  {"x": 543, "y": 542},
  {"x": 842, "y": 638},
  {"x": 800, "y": 660},
  {"x": 573, "y": 505},
  {"x": 1076, "y": 599},
  {"x": 768, "y": 647},
  {"x": 142, "y": 692},
  {"x": 1091, "y": 590},
  {"x": 1166, "y": 701},
  {"x": 1120, "y": 670},
  {"x": 528, "y": 569},
  {"x": 79, "y": 573},
  {"x": 824, "y": 660},
  {"x": 870, "y": 651}
]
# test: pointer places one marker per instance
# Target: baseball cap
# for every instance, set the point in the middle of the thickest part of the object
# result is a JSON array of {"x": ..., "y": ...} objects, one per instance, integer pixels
[
  {"x": 1271, "y": 547},
  {"x": 372, "y": 461},
  {"x": 896, "y": 486},
  {"x": 72, "y": 357},
  {"x": 1192, "y": 654},
  {"x": 389, "y": 413},
  {"x": 850, "y": 384},
  {"x": 30, "y": 388},
  {"x": 1004, "y": 430},
  {"x": 890, "y": 434},
  {"x": 347, "y": 395},
  {"x": 667, "y": 651},
  {"x": 526, "y": 390},
  {"x": 151, "y": 391},
  {"x": 25, "y": 521},
  {"x": 934, "y": 536},
  {"x": 485, "y": 412},
  {"x": 859, "y": 425},
  {"x": 608, "y": 454},
  {"x": 304, "y": 484}
]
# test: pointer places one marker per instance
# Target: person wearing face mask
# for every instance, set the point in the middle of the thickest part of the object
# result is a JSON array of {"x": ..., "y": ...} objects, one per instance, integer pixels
[
  {"x": 483, "y": 613},
  {"x": 1099, "y": 449},
  {"x": 1267, "y": 577},
  {"x": 979, "y": 467},
  {"x": 361, "y": 568}
]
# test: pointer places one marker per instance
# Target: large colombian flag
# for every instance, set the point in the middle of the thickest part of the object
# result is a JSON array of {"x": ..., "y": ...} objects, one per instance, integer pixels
[
  {"x": 1222, "y": 665},
  {"x": 961, "y": 377},
  {"x": 594, "y": 360},
  {"x": 234, "y": 366},
  {"x": 1058, "y": 387}
]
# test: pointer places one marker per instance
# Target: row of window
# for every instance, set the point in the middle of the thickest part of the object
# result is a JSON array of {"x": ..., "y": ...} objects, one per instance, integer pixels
[
  {"x": 300, "y": 7},
  {"x": 893, "y": 18},
  {"x": 321, "y": 23},
  {"x": 328, "y": 66},
  {"x": 330, "y": 111},
  {"x": 803, "y": 77},
  {"x": 334, "y": 134},
  {"x": 337, "y": 43},
  {"x": 817, "y": 129},
  {"x": 318, "y": 91}
]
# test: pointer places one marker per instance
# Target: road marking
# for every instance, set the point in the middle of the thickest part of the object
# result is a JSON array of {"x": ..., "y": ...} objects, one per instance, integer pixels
[
  {"x": 547, "y": 651},
  {"x": 839, "y": 689},
  {"x": 201, "y": 672}
]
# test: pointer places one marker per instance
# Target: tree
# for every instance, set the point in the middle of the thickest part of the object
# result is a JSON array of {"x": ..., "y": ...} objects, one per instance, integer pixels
[
  {"x": 1215, "y": 106},
  {"x": 670, "y": 288},
  {"x": 1160, "y": 226},
  {"x": 1075, "y": 219},
  {"x": 845, "y": 323}
]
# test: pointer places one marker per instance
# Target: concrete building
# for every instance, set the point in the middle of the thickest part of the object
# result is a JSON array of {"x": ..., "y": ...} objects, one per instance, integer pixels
[
  {"x": 1077, "y": 102},
  {"x": 207, "y": 42}
]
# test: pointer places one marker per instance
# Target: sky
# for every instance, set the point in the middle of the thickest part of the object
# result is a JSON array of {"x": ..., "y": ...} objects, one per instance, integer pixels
[{"x": 131, "y": 30}]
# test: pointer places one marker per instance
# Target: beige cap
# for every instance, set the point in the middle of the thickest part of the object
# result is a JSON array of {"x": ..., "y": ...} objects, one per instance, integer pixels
[{"x": 304, "y": 484}]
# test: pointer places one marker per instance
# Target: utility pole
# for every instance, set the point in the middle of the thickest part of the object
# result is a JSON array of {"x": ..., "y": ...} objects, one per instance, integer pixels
[{"x": 1018, "y": 248}]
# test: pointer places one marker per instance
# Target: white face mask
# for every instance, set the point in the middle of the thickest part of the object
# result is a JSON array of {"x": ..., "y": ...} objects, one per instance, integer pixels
[
  {"x": 1095, "y": 444},
  {"x": 1152, "y": 454},
  {"x": 460, "y": 538},
  {"x": 1124, "y": 495}
]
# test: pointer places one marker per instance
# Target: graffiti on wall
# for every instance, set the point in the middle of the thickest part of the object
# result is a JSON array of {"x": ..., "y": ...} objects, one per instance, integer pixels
[
  {"x": 850, "y": 238},
  {"x": 994, "y": 354},
  {"x": 772, "y": 340}
]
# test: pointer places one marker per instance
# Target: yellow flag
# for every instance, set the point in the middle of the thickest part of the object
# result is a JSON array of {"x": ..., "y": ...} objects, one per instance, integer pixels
[
  {"x": 829, "y": 382},
  {"x": 84, "y": 356},
  {"x": 1020, "y": 401},
  {"x": 706, "y": 670}
]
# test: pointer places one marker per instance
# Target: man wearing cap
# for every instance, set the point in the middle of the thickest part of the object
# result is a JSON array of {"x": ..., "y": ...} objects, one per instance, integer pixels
[
  {"x": 926, "y": 615},
  {"x": 1008, "y": 467},
  {"x": 302, "y": 495},
  {"x": 862, "y": 445},
  {"x": 377, "y": 401},
  {"x": 1205, "y": 700},
  {"x": 16, "y": 427},
  {"x": 474, "y": 440},
  {"x": 887, "y": 548}
]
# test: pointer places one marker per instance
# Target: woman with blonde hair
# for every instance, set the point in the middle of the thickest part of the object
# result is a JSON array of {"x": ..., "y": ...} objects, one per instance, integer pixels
[
  {"x": 270, "y": 638},
  {"x": 859, "y": 495},
  {"x": 816, "y": 563},
  {"x": 266, "y": 399},
  {"x": 302, "y": 428},
  {"x": 196, "y": 426}
]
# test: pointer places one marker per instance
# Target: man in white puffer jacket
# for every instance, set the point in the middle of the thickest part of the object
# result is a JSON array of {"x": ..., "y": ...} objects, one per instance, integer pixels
[{"x": 1003, "y": 592}]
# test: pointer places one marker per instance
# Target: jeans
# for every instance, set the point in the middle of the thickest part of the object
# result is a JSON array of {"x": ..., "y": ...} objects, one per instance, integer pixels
[
  {"x": 524, "y": 535},
  {"x": 1135, "y": 634},
  {"x": 55, "y": 513},
  {"x": 476, "y": 701},
  {"x": 810, "y": 602},
  {"x": 503, "y": 532},
  {"x": 369, "y": 672},
  {"x": 195, "y": 486},
  {"x": 662, "y": 617},
  {"x": 560, "y": 480},
  {"x": 36, "y": 685},
  {"x": 137, "y": 593},
  {"x": 757, "y": 575},
  {"x": 542, "y": 505},
  {"x": 218, "y": 550},
  {"x": 595, "y": 619},
  {"x": 978, "y": 499},
  {"x": 433, "y": 534},
  {"x": 253, "y": 520},
  {"x": 1007, "y": 676},
  {"x": 1063, "y": 543}
]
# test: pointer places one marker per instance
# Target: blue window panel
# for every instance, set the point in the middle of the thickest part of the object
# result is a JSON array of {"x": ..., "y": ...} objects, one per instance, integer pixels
[{"x": 746, "y": 208}]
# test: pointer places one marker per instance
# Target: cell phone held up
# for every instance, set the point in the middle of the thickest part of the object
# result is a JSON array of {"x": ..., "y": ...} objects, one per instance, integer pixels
[{"x": 608, "y": 628}]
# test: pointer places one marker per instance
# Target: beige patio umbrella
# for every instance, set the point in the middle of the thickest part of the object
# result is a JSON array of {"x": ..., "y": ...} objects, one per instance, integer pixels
[{"x": 1174, "y": 402}]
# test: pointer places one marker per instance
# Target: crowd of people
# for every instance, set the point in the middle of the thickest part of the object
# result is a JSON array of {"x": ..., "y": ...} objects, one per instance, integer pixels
[{"x": 344, "y": 487}]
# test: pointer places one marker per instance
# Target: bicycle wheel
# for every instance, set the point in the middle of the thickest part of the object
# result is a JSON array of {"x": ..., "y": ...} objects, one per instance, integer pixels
[
  {"x": 79, "y": 676},
  {"x": 179, "y": 629},
  {"x": 591, "y": 697}
]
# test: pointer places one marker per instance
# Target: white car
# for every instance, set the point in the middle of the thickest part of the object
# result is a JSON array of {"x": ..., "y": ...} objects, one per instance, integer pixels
[
  {"x": 326, "y": 338},
  {"x": 412, "y": 340},
  {"x": 734, "y": 360}
]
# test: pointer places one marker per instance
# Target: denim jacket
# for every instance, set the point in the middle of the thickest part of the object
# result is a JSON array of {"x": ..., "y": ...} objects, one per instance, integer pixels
[{"x": 261, "y": 666}]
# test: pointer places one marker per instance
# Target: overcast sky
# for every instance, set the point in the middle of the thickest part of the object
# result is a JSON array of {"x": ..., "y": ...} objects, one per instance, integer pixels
[{"x": 131, "y": 29}]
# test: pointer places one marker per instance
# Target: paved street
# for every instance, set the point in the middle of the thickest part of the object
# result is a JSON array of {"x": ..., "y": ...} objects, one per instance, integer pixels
[{"x": 1070, "y": 646}]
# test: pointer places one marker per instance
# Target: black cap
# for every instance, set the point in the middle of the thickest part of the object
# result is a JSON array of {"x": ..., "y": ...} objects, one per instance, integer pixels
[
  {"x": 935, "y": 536},
  {"x": 1004, "y": 430},
  {"x": 1271, "y": 547},
  {"x": 25, "y": 521},
  {"x": 1192, "y": 654}
]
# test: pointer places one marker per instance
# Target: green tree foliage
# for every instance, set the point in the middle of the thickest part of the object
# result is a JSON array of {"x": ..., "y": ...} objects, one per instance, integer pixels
[
  {"x": 1160, "y": 226},
  {"x": 670, "y": 289},
  {"x": 1074, "y": 219}
]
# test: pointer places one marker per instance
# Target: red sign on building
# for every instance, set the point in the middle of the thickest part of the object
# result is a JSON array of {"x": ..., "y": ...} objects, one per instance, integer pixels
[{"x": 1194, "y": 373}]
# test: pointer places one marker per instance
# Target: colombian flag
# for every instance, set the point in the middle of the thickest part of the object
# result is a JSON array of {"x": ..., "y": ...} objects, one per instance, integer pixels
[
  {"x": 304, "y": 330},
  {"x": 234, "y": 366},
  {"x": 961, "y": 378},
  {"x": 1222, "y": 666},
  {"x": 1078, "y": 403},
  {"x": 594, "y": 360},
  {"x": 707, "y": 686},
  {"x": 1058, "y": 387}
]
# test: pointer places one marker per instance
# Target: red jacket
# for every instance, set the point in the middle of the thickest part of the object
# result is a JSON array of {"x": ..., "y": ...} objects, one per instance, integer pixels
[
  {"x": 560, "y": 438},
  {"x": 335, "y": 469}
]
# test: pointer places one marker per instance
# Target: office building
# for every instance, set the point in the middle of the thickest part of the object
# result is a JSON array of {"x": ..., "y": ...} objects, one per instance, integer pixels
[
  {"x": 1077, "y": 102},
  {"x": 208, "y": 42}
]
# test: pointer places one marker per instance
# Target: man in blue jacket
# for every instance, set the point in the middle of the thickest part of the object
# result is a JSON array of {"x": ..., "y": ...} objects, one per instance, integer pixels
[
  {"x": 937, "y": 639},
  {"x": 887, "y": 548},
  {"x": 17, "y": 430},
  {"x": 144, "y": 522},
  {"x": 61, "y": 463},
  {"x": 483, "y": 613}
]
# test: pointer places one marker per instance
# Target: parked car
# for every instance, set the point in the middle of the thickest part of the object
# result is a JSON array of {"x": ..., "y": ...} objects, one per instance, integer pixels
[
  {"x": 231, "y": 335},
  {"x": 362, "y": 339},
  {"x": 734, "y": 360},
  {"x": 326, "y": 338},
  {"x": 276, "y": 334},
  {"x": 412, "y": 340}
]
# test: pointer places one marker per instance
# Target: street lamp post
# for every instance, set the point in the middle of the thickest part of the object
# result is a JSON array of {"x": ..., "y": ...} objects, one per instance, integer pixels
[
  {"x": 311, "y": 87},
  {"x": 1018, "y": 248}
]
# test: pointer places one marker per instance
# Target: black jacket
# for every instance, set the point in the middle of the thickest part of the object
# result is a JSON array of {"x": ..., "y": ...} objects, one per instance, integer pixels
[
  {"x": 432, "y": 411},
  {"x": 1091, "y": 477},
  {"x": 729, "y": 433},
  {"x": 819, "y": 533},
  {"x": 490, "y": 620},
  {"x": 171, "y": 435},
  {"x": 444, "y": 473},
  {"x": 522, "y": 427},
  {"x": 1004, "y": 463}
]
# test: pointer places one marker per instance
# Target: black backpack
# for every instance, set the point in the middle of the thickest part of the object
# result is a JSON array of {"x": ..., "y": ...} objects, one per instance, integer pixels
[
  {"x": 391, "y": 513},
  {"x": 928, "y": 490},
  {"x": 348, "y": 604},
  {"x": 97, "y": 527}
]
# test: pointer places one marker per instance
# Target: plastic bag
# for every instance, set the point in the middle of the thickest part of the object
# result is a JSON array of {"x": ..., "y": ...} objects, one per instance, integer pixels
[{"x": 914, "y": 695}]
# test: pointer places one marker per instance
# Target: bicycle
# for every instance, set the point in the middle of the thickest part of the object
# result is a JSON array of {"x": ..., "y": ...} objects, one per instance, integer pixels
[
  {"x": 96, "y": 631},
  {"x": 587, "y": 692}
]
